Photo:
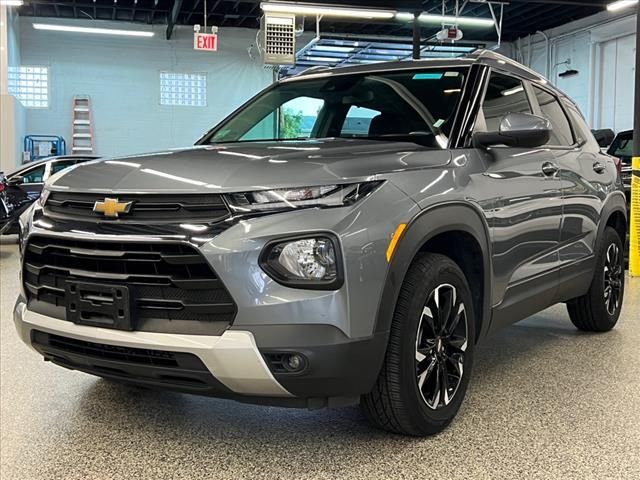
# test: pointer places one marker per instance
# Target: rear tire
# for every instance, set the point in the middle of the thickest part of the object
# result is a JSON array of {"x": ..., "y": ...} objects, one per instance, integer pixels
[
  {"x": 599, "y": 309},
  {"x": 428, "y": 362}
]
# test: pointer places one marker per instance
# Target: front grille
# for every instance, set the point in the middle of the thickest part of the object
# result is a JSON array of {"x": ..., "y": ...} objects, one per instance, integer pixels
[
  {"x": 145, "y": 207},
  {"x": 172, "y": 287}
]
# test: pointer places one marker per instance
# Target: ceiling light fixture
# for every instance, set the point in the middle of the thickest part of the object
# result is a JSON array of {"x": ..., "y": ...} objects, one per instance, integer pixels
[
  {"x": 620, "y": 5},
  {"x": 447, "y": 19},
  {"x": 325, "y": 10},
  {"x": 93, "y": 30},
  {"x": 512, "y": 91},
  {"x": 12, "y": 3}
]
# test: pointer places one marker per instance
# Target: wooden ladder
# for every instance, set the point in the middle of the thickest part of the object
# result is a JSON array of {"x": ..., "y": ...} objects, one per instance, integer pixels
[{"x": 82, "y": 127}]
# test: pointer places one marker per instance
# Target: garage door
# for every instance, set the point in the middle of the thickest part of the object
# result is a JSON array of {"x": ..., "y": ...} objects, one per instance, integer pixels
[{"x": 617, "y": 83}]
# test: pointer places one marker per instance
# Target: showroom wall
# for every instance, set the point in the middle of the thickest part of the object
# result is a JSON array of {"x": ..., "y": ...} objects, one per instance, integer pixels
[
  {"x": 12, "y": 114},
  {"x": 121, "y": 75},
  {"x": 602, "y": 49}
]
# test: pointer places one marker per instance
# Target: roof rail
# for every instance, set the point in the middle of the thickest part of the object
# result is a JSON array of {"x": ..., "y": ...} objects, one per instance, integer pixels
[{"x": 314, "y": 69}]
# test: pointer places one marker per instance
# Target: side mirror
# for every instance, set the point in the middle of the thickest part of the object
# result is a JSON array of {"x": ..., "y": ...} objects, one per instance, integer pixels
[
  {"x": 15, "y": 180},
  {"x": 604, "y": 137},
  {"x": 516, "y": 130}
]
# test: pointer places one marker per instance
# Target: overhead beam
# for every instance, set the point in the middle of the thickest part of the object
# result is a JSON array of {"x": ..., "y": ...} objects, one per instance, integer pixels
[{"x": 173, "y": 17}]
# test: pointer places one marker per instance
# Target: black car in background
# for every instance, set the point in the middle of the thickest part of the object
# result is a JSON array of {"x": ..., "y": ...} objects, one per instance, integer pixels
[
  {"x": 622, "y": 148},
  {"x": 21, "y": 188}
]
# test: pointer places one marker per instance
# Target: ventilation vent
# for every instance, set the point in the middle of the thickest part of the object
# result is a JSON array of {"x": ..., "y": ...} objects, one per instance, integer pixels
[{"x": 279, "y": 38}]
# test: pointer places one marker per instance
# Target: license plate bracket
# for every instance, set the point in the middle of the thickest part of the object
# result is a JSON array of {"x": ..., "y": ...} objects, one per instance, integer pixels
[{"x": 99, "y": 305}]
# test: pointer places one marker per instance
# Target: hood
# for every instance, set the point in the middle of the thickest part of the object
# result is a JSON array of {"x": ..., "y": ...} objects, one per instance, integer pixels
[{"x": 249, "y": 166}]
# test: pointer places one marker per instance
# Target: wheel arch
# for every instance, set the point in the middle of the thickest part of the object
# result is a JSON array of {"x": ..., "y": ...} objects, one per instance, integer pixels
[
  {"x": 442, "y": 228},
  {"x": 614, "y": 214}
]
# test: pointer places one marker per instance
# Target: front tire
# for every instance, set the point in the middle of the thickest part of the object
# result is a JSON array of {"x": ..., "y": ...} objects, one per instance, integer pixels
[
  {"x": 599, "y": 309},
  {"x": 428, "y": 362}
]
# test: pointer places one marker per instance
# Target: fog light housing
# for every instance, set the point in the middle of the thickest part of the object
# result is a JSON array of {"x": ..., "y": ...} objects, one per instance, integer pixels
[
  {"x": 312, "y": 262},
  {"x": 286, "y": 362}
]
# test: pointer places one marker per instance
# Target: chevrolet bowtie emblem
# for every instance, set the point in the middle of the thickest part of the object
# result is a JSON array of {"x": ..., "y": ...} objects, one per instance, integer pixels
[{"x": 111, "y": 207}]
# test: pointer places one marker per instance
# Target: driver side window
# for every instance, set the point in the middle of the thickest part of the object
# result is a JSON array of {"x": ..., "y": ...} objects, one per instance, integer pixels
[{"x": 504, "y": 95}]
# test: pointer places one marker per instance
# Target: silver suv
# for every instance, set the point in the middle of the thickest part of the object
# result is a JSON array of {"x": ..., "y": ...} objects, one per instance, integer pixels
[{"x": 345, "y": 236}]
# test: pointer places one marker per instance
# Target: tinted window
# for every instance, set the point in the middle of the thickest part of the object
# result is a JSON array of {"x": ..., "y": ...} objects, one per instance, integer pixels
[
  {"x": 622, "y": 146},
  {"x": 35, "y": 175},
  {"x": 551, "y": 109},
  {"x": 504, "y": 95},
  {"x": 57, "y": 166}
]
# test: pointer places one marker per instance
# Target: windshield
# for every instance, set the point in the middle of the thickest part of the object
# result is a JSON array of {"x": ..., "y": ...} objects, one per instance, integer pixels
[
  {"x": 414, "y": 105},
  {"x": 622, "y": 146}
]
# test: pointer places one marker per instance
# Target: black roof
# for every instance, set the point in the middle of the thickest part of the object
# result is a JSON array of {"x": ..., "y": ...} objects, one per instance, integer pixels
[{"x": 521, "y": 17}]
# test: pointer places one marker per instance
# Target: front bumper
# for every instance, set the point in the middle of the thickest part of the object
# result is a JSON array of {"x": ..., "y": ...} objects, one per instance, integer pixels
[
  {"x": 339, "y": 369},
  {"x": 232, "y": 358}
]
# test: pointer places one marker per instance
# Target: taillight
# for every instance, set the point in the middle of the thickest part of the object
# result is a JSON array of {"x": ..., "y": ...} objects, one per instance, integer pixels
[{"x": 618, "y": 164}]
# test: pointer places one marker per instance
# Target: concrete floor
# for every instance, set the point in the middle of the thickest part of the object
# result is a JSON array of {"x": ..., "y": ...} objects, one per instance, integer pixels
[{"x": 545, "y": 402}]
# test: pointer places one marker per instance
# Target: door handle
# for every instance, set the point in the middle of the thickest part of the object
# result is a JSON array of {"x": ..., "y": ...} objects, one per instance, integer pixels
[
  {"x": 599, "y": 167},
  {"x": 549, "y": 169}
]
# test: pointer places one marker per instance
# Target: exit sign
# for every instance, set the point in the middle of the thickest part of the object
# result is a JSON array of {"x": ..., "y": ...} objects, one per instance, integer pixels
[{"x": 205, "y": 41}]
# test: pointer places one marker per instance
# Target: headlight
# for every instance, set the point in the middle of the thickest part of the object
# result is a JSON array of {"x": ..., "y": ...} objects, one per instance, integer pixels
[
  {"x": 312, "y": 261},
  {"x": 300, "y": 197}
]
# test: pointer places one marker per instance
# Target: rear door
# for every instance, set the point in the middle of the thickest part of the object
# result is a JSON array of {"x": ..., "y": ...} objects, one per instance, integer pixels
[
  {"x": 585, "y": 176},
  {"x": 524, "y": 209}
]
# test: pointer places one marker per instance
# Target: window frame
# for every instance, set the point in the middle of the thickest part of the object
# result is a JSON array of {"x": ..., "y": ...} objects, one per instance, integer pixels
[
  {"x": 485, "y": 88},
  {"x": 533, "y": 103},
  {"x": 538, "y": 111},
  {"x": 26, "y": 171}
]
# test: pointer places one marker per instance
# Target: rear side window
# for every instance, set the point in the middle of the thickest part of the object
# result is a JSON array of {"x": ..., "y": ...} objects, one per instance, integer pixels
[
  {"x": 57, "y": 166},
  {"x": 580, "y": 128},
  {"x": 560, "y": 128},
  {"x": 504, "y": 95},
  {"x": 622, "y": 146}
]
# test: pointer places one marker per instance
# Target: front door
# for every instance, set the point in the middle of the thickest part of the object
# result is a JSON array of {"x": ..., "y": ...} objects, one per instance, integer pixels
[{"x": 522, "y": 201}]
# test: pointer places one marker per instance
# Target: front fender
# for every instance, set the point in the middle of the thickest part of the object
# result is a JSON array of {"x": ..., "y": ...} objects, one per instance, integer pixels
[{"x": 435, "y": 220}]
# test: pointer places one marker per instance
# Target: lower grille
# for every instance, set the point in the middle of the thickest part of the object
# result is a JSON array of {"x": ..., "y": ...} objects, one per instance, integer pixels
[
  {"x": 153, "y": 368},
  {"x": 137, "y": 356},
  {"x": 172, "y": 287}
]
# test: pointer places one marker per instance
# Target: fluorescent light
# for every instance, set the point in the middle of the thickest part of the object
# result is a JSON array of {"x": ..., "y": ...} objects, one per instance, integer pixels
[
  {"x": 621, "y": 4},
  {"x": 447, "y": 19},
  {"x": 512, "y": 91},
  {"x": 307, "y": 9},
  {"x": 404, "y": 16},
  {"x": 12, "y": 3},
  {"x": 99, "y": 31}
]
